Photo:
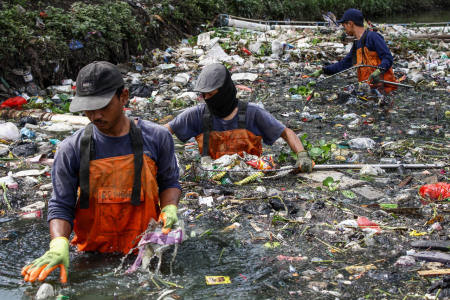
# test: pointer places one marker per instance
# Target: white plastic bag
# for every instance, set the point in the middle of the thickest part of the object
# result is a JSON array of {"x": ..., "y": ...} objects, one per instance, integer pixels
[{"x": 9, "y": 131}]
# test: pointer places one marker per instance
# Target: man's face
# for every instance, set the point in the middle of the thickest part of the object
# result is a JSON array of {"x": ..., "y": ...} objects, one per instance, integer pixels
[
  {"x": 106, "y": 118},
  {"x": 349, "y": 28},
  {"x": 210, "y": 94}
]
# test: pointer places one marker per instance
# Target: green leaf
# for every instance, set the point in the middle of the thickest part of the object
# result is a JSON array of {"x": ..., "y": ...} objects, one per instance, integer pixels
[
  {"x": 63, "y": 97},
  {"x": 348, "y": 194},
  {"x": 282, "y": 158},
  {"x": 328, "y": 181},
  {"x": 388, "y": 205},
  {"x": 315, "y": 152}
]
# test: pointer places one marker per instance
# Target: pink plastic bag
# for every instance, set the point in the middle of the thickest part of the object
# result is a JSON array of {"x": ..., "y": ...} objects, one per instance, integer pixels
[{"x": 364, "y": 223}]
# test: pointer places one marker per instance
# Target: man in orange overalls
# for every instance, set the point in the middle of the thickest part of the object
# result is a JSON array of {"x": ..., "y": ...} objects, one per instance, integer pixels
[
  {"x": 368, "y": 49},
  {"x": 124, "y": 171},
  {"x": 226, "y": 125}
]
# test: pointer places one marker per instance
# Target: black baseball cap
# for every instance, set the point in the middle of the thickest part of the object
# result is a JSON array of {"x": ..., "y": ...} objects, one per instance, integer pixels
[
  {"x": 96, "y": 85},
  {"x": 352, "y": 15},
  {"x": 211, "y": 78}
]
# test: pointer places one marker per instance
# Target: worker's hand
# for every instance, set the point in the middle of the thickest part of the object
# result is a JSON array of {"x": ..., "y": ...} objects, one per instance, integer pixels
[
  {"x": 316, "y": 74},
  {"x": 169, "y": 216},
  {"x": 56, "y": 257},
  {"x": 374, "y": 78},
  {"x": 304, "y": 162}
]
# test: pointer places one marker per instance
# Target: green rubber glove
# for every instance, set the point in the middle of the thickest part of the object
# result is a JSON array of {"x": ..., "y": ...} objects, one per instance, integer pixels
[
  {"x": 169, "y": 216},
  {"x": 316, "y": 74},
  {"x": 374, "y": 78},
  {"x": 56, "y": 257},
  {"x": 304, "y": 162}
]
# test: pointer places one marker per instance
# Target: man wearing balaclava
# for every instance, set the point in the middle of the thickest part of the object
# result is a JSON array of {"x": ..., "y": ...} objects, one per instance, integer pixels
[{"x": 226, "y": 125}]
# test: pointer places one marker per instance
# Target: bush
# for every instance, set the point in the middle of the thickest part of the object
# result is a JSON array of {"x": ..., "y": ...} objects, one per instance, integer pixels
[{"x": 104, "y": 30}]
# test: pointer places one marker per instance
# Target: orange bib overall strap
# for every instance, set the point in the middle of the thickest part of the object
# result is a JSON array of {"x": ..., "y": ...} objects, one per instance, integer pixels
[
  {"x": 219, "y": 143},
  {"x": 113, "y": 217},
  {"x": 363, "y": 56}
]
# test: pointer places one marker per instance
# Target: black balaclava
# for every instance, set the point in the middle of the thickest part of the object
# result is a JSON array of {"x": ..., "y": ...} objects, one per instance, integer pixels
[{"x": 224, "y": 102}]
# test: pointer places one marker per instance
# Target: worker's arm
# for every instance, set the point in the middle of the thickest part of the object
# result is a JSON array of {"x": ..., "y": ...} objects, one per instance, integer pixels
[
  {"x": 341, "y": 65},
  {"x": 168, "y": 127},
  {"x": 292, "y": 140},
  {"x": 170, "y": 196},
  {"x": 60, "y": 228}
]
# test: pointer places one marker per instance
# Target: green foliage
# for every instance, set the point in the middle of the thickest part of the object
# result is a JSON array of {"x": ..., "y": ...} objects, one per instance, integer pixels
[
  {"x": 348, "y": 194},
  {"x": 101, "y": 28},
  {"x": 331, "y": 183},
  {"x": 177, "y": 103},
  {"x": 38, "y": 103},
  {"x": 301, "y": 90},
  {"x": 320, "y": 151}
]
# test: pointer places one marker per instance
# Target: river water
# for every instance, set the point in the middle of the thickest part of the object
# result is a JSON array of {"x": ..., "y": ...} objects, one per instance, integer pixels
[{"x": 91, "y": 273}]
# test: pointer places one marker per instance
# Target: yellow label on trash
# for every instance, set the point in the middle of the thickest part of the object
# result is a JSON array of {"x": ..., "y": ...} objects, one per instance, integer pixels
[
  {"x": 213, "y": 280},
  {"x": 416, "y": 233}
]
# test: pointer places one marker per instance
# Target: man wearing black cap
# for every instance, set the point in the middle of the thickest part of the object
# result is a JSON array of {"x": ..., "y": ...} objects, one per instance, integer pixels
[
  {"x": 110, "y": 178},
  {"x": 226, "y": 125},
  {"x": 368, "y": 49}
]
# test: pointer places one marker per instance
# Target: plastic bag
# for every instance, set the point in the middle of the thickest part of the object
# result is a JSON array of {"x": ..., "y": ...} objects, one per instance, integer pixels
[
  {"x": 362, "y": 143},
  {"x": 14, "y": 103},
  {"x": 153, "y": 243},
  {"x": 140, "y": 90},
  {"x": 9, "y": 131},
  {"x": 437, "y": 191},
  {"x": 367, "y": 225}
]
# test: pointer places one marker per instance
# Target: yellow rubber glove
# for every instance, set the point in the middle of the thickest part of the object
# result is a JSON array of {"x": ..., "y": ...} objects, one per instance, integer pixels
[
  {"x": 169, "y": 216},
  {"x": 374, "y": 78},
  {"x": 56, "y": 257},
  {"x": 316, "y": 74},
  {"x": 304, "y": 162}
]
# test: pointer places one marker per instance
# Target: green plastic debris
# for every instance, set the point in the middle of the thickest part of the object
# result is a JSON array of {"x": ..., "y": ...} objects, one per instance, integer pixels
[{"x": 272, "y": 245}]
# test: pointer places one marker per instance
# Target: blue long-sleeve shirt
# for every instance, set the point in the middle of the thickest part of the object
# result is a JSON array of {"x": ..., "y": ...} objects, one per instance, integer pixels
[
  {"x": 158, "y": 145},
  {"x": 374, "y": 42}
]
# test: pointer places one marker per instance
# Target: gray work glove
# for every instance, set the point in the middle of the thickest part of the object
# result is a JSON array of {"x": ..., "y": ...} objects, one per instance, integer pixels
[{"x": 304, "y": 162}]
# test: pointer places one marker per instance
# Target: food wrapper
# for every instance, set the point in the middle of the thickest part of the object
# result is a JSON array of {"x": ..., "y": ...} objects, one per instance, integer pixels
[
  {"x": 213, "y": 280},
  {"x": 263, "y": 163}
]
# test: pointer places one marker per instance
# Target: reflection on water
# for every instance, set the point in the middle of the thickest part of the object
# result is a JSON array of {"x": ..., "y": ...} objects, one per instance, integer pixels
[
  {"x": 91, "y": 274},
  {"x": 417, "y": 17}
]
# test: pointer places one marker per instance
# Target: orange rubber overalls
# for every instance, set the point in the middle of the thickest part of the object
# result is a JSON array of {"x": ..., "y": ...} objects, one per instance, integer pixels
[
  {"x": 114, "y": 208},
  {"x": 366, "y": 57},
  {"x": 219, "y": 143}
]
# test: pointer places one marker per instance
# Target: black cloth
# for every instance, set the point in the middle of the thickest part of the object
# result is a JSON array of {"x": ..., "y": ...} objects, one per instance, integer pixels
[{"x": 224, "y": 102}]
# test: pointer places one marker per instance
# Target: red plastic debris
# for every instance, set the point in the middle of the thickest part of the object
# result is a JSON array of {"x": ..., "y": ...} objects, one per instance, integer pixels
[
  {"x": 363, "y": 223},
  {"x": 246, "y": 51},
  {"x": 14, "y": 103},
  {"x": 437, "y": 191}
]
